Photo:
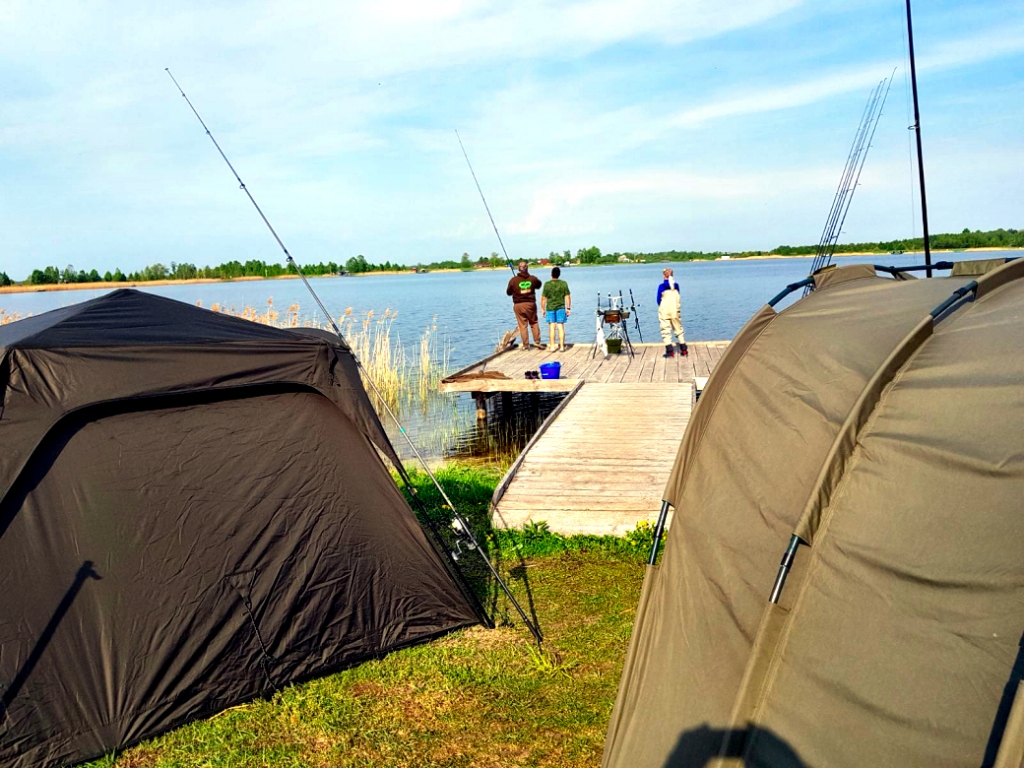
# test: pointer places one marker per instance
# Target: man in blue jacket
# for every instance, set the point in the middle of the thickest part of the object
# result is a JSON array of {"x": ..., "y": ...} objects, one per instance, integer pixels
[{"x": 669, "y": 307}]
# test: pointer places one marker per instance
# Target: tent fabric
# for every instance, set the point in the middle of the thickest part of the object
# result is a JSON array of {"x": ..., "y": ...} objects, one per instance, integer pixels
[
  {"x": 976, "y": 266},
  {"x": 196, "y": 524},
  {"x": 904, "y": 439},
  {"x": 127, "y": 345},
  {"x": 835, "y": 274}
]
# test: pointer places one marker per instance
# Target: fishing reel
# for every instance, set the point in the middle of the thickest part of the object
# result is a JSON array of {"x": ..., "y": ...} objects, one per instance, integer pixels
[{"x": 463, "y": 539}]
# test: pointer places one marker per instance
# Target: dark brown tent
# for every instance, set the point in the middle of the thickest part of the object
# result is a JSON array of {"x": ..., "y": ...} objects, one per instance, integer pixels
[
  {"x": 194, "y": 511},
  {"x": 874, "y": 430}
]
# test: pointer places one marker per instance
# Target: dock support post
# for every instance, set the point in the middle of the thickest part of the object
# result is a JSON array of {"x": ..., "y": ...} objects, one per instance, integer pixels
[{"x": 481, "y": 405}]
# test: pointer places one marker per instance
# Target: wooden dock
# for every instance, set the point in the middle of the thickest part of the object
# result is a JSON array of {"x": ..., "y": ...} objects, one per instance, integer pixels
[
  {"x": 599, "y": 463},
  {"x": 579, "y": 363}
]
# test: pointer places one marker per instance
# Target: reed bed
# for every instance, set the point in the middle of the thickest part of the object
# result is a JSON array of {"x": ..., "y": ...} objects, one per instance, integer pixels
[{"x": 6, "y": 318}]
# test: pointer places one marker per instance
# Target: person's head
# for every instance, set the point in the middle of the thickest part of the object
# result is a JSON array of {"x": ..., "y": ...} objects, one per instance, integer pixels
[
  {"x": 523, "y": 266},
  {"x": 667, "y": 272},
  {"x": 555, "y": 273}
]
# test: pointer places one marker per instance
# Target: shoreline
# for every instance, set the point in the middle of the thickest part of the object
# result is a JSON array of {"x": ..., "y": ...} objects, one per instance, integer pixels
[
  {"x": 983, "y": 249},
  {"x": 11, "y": 289}
]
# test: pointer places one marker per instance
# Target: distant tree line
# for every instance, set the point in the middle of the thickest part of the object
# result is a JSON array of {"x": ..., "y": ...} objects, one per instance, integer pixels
[
  {"x": 183, "y": 271},
  {"x": 996, "y": 238},
  {"x": 358, "y": 264}
]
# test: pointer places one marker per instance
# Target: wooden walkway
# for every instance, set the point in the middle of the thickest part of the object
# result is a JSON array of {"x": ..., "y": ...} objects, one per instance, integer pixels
[
  {"x": 601, "y": 463},
  {"x": 578, "y": 364}
]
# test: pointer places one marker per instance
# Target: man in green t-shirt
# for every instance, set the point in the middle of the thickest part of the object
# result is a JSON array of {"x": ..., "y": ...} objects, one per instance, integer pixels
[{"x": 556, "y": 303}]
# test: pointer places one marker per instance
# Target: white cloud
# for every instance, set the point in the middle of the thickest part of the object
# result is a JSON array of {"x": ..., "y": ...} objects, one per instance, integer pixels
[
  {"x": 339, "y": 117},
  {"x": 990, "y": 45}
]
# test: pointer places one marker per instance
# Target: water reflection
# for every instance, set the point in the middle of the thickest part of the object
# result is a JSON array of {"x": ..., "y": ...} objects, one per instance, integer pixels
[
  {"x": 512, "y": 420},
  {"x": 445, "y": 426}
]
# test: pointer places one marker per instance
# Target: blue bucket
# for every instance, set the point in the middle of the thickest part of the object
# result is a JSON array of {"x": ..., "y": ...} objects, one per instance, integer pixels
[{"x": 550, "y": 370}]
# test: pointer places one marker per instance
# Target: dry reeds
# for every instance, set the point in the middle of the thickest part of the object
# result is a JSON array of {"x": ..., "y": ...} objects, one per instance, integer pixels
[
  {"x": 383, "y": 359},
  {"x": 6, "y": 318},
  {"x": 399, "y": 380},
  {"x": 434, "y": 362}
]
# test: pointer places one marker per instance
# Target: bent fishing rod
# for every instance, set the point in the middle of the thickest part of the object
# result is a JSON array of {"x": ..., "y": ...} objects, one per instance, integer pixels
[
  {"x": 459, "y": 525},
  {"x": 486, "y": 207}
]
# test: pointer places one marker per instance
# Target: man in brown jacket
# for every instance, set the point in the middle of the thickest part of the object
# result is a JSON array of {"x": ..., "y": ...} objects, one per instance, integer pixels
[{"x": 523, "y": 290}]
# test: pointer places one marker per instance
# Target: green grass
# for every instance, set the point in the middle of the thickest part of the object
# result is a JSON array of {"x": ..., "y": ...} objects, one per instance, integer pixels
[{"x": 477, "y": 697}]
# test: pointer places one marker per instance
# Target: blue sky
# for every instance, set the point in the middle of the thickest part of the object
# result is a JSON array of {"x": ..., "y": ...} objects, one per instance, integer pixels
[{"x": 644, "y": 125}]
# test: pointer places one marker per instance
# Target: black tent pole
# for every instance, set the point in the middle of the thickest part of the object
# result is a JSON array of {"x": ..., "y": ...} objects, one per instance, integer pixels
[{"x": 920, "y": 152}]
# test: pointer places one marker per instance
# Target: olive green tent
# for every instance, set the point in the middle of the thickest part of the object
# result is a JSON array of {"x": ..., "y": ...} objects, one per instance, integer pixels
[{"x": 871, "y": 435}]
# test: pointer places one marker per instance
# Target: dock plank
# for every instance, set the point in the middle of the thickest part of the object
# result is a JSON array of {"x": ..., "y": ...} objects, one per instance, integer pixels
[
  {"x": 601, "y": 466},
  {"x": 601, "y": 461},
  {"x": 578, "y": 364}
]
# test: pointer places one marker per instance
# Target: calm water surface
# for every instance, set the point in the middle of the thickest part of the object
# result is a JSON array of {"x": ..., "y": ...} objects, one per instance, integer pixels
[{"x": 472, "y": 311}]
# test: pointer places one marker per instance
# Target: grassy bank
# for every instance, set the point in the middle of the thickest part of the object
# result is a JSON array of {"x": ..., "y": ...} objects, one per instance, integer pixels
[{"x": 475, "y": 698}]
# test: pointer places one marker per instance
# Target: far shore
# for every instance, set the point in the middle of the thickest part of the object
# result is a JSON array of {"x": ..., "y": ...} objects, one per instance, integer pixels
[
  {"x": 730, "y": 257},
  {"x": 146, "y": 283}
]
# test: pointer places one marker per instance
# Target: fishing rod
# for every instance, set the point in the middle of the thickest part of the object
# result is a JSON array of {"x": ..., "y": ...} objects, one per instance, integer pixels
[
  {"x": 486, "y": 207},
  {"x": 850, "y": 179},
  {"x": 625, "y": 325},
  {"x": 916, "y": 127},
  {"x": 241, "y": 184},
  {"x": 636, "y": 317},
  {"x": 459, "y": 524}
]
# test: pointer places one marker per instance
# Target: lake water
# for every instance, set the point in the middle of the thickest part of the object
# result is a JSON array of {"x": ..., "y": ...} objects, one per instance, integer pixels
[{"x": 472, "y": 312}]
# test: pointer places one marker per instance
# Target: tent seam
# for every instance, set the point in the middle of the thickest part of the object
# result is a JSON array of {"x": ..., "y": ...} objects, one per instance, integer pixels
[
  {"x": 775, "y": 662},
  {"x": 139, "y": 398}
]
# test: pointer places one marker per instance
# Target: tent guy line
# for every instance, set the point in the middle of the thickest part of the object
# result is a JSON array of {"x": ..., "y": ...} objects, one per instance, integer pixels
[{"x": 459, "y": 524}]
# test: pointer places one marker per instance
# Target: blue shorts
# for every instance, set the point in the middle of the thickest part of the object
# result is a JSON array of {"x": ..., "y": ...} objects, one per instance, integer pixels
[{"x": 555, "y": 315}]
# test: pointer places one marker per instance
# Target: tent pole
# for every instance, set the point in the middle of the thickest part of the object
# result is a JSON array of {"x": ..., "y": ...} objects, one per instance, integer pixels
[{"x": 784, "y": 567}]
